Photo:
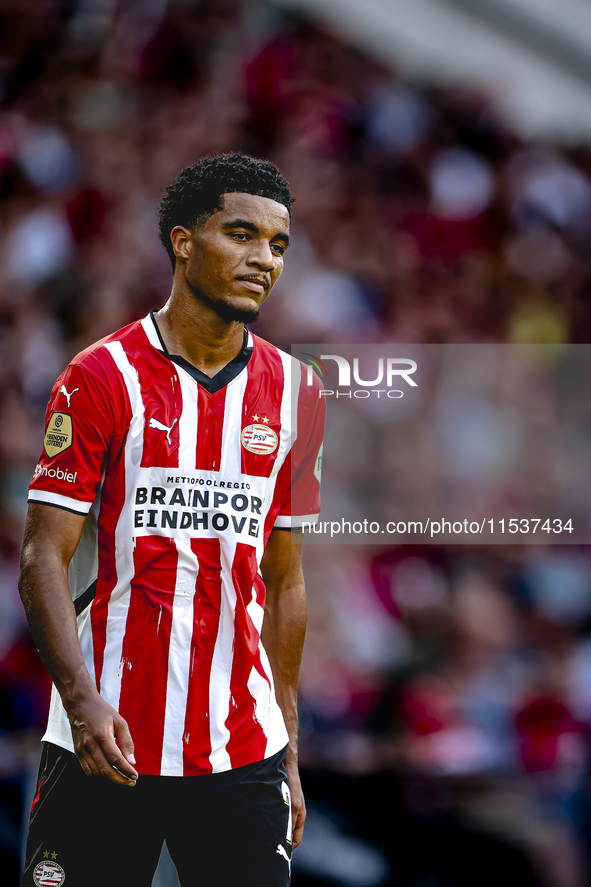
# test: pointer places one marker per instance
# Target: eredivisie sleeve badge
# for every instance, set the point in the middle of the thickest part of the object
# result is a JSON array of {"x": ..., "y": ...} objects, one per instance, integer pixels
[{"x": 59, "y": 434}]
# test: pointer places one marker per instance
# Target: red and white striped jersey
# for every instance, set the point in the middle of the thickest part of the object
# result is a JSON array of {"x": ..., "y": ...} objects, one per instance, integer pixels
[{"x": 182, "y": 487}]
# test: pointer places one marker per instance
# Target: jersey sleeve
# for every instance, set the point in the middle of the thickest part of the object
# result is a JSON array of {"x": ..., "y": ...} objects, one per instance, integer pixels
[
  {"x": 79, "y": 427},
  {"x": 301, "y": 502}
]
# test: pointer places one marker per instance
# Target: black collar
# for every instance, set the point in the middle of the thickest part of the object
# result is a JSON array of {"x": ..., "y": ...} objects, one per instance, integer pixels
[{"x": 221, "y": 378}]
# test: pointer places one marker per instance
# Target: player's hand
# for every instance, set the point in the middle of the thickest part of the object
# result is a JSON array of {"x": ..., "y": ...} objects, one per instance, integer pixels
[
  {"x": 102, "y": 741},
  {"x": 298, "y": 805}
]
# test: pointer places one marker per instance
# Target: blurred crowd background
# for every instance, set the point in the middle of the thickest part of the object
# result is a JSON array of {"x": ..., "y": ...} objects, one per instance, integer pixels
[{"x": 446, "y": 692}]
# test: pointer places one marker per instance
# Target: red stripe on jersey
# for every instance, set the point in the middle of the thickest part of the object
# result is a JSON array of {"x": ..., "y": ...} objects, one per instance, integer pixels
[
  {"x": 211, "y": 409},
  {"x": 305, "y": 489},
  {"x": 262, "y": 406},
  {"x": 247, "y": 740},
  {"x": 297, "y": 490},
  {"x": 163, "y": 404},
  {"x": 206, "y": 615},
  {"x": 144, "y": 659}
]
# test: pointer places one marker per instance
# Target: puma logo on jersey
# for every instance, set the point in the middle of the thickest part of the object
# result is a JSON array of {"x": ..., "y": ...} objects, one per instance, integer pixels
[
  {"x": 68, "y": 394},
  {"x": 281, "y": 851},
  {"x": 154, "y": 423}
]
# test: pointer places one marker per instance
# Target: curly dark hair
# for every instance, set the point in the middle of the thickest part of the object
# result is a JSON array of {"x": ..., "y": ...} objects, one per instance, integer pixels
[{"x": 197, "y": 192}]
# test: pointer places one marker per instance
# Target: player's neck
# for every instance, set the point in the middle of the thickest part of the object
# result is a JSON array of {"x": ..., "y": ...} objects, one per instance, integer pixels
[{"x": 198, "y": 334}]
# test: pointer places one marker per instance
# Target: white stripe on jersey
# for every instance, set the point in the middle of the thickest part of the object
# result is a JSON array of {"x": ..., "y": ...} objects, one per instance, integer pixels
[
  {"x": 223, "y": 654},
  {"x": 231, "y": 460},
  {"x": 181, "y": 630},
  {"x": 258, "y": 687},
  {"x": 286, "y": 521},
  {"x": 110, "y": 685},
  {"x": 82, "y": 573},
  {"x": 221, "y": 667},
  {"x": 179, "y": 661},
  {"x": 277, "y": 735},
  {"x": 149, "y": 327}
]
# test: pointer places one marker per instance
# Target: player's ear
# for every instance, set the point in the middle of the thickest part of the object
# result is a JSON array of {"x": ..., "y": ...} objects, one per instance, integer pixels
[{"x": 181, "y": 243}]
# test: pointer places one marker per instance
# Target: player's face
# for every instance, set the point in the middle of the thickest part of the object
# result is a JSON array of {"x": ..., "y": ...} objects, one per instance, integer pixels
[{"x": 235, "y": 257}]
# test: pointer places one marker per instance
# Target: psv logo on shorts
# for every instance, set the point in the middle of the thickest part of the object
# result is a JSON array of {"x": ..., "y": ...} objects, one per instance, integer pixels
[
  {"x": 259, "y": 439},
  {"x": 49, "y": 874}
]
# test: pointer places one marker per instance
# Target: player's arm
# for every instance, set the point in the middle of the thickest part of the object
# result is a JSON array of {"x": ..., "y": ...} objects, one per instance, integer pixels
[
  {"x": 283, "y": 633},
  {"x": 101, "y": 737}
]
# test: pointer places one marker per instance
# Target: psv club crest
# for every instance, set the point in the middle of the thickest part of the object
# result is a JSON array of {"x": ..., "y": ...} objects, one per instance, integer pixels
[
  {"x": 259, "y": 438},
  {"x": 49, "y": 873}
]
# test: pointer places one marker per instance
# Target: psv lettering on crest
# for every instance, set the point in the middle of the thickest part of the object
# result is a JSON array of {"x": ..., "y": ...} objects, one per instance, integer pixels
[{"x": 259, "y": 439}]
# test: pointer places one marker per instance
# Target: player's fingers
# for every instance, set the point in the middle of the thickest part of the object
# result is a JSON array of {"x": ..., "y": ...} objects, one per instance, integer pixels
[
  {"x": 90, "y": 760},
  {"x": 124, "y": 740},
  {"x": 107, "y": 770},
  {"x": 110, "y": 763},
  {"x": 113, "y": 753},
  {"x": 298, "y": 828},
  {"x": 85, "y": 765}
]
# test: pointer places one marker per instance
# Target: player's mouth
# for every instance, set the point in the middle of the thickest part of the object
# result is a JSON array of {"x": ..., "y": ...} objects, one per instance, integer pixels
[{"x": 255, "y": 284}]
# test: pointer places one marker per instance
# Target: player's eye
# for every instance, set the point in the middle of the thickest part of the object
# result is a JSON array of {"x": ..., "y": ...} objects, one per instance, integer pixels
[
  {"x": 239, "y": 235},
  {"x": 278, "y": 248}
]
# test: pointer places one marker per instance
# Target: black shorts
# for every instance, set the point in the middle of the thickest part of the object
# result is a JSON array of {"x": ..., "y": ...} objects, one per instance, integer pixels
[{"x": 222, "y": 830}]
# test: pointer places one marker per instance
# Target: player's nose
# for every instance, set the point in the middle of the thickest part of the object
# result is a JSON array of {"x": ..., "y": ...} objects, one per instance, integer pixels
[{"x": 260, "y": 255}]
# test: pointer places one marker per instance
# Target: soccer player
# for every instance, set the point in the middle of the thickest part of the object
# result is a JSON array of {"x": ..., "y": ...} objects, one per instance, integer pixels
[{"x": 179, "y": 453}]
